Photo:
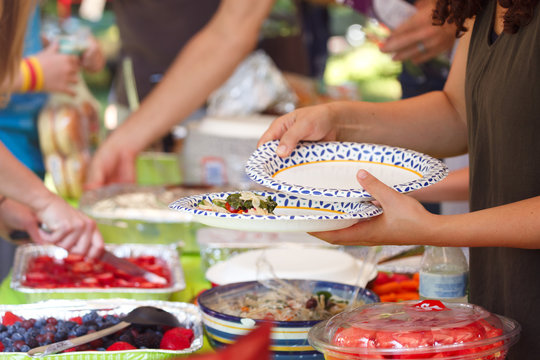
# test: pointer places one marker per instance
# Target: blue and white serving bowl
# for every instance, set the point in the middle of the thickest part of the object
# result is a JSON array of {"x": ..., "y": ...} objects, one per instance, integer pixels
[
  {"x": 289, "y": 338},
  {"x": 326, "y": 171}
]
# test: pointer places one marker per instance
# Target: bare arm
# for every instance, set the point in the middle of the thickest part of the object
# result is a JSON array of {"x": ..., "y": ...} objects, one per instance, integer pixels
[
  {"x": 455, "y": 187},
  {"x": 406, "y": 222},
  {"x": 70, "y": 228},
  {"x": 203, "y": 65}
]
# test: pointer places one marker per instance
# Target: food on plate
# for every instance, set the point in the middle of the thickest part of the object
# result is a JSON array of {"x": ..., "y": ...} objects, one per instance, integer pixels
[
  {"x": 245, "y": 202},
  {"x": 75, "y": 271},
  {"x": 18, "y": 334},
  {"x": 271, "y": 305}
]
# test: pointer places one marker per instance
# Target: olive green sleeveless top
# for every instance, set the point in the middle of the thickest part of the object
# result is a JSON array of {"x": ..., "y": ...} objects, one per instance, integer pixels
[{"x": 503, "y": 114}]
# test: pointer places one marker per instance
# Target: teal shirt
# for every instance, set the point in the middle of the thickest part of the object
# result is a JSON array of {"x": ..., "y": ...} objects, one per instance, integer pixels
[{"x": 18, "y": 120}]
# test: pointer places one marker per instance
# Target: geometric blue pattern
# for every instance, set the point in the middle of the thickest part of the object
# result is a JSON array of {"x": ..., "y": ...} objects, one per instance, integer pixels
[
  {"x": 264, "y": 163},
  {"x": 347, "y": 210}
]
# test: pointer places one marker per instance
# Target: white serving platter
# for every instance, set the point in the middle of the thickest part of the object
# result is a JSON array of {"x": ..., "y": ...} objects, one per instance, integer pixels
[
  {"x": 290, "y": 263},
  {"x": 326, "y": 171},
  {"x": 292, "y": 214}
]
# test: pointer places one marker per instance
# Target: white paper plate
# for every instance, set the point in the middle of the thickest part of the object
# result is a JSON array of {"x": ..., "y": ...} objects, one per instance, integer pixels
[
  {"x": 290, "y": 263},
  {"x": 292, "y": 214},
  {"x": 326, "y": 171}
]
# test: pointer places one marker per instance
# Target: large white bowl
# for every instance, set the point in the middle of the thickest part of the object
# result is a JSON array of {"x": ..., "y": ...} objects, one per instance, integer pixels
[{"x": 290, "y": 263}]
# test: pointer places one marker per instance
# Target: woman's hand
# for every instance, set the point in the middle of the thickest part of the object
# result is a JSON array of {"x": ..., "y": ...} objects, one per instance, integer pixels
[
  {"x": 114, "y": 162},
  {"x": 417, "y": 39},
  {"x": 67, "y": 227},
  {"x": 403, "y": 222},
  {"x": 311, "y": 123},
  {"x": 59, "y": 70},
  {"x": 16, "y": 216}
]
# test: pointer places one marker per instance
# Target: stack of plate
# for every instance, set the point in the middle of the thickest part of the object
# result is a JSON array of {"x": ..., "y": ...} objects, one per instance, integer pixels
[{"x": 316, "y": 188}]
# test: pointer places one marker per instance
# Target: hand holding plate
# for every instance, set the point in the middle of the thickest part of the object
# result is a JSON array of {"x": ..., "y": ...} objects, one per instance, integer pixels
[{"x": 404, "y": 220}]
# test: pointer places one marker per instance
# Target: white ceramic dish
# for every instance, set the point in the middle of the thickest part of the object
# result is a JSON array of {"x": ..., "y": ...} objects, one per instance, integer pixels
[
  {"x": 291, "y": 214},
  {"x": 289, "y": 263},
  {"x": 326, "y": 171}
]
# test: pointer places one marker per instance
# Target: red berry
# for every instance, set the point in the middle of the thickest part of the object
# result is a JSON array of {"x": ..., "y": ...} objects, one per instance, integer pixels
[
  {"x": 76, "y": 319},
  {"x": 10, "y": 318},
  {"x": 176, "y": 339},
  {"x": 120, "y": 345}
]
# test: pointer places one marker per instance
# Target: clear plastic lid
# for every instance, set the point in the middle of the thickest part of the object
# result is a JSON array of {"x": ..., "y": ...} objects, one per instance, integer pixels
[{"x": 415, "y": 330}]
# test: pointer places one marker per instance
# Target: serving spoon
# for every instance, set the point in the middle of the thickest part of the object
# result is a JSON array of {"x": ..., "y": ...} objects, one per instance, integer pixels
[{"x": 142, "y": 315}]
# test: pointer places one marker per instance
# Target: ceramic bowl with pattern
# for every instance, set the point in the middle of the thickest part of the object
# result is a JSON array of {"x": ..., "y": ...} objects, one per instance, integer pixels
[{"x": 326, "y": 171}]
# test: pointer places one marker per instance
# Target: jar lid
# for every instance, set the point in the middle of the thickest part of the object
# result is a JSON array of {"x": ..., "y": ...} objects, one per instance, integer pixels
[{"x": 419, "y": 330}]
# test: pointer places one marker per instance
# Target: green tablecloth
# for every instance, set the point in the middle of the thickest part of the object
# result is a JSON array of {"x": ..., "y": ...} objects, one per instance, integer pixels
[{"x": 195, "y": 283}]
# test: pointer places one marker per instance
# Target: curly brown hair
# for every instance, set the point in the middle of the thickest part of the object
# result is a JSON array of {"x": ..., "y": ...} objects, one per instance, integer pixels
[{"x": 519, "y": 13}]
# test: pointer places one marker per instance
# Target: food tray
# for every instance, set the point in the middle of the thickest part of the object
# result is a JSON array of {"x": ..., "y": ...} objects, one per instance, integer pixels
[
  {"x": 167, "y": 253},
  {"x": 188, "y": 315},
  {"x": 127, "y": 213}
]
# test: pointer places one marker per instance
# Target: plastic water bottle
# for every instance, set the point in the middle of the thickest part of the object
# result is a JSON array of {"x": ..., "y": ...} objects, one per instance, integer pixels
[{"x": 444, "y": 274}]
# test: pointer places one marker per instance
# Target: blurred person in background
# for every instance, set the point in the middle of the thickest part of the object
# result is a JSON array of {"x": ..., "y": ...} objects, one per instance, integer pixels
[
  {"x": 426, "y": 52},
  {"x": 489, "y": 106},
  {"x": 151, "y": 49},
  {"x": 203, "y": 64},
  {"x": 25, "y": 203}
]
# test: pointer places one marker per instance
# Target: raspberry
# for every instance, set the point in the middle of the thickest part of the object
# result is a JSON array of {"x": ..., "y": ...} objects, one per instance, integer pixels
[
  {"x": 120, "y": 345},
  {"x": 176, "y": 339}
]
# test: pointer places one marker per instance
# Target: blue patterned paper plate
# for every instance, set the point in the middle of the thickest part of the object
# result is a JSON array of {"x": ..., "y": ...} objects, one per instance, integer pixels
[
  {"x": 292, "y": 214},
  {"x": 326, "y": 171}
]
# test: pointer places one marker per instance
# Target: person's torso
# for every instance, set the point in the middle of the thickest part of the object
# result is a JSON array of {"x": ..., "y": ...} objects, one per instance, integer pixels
[
  {"x": 153, "y": 32},
  {"x": 503, "y": 113}
]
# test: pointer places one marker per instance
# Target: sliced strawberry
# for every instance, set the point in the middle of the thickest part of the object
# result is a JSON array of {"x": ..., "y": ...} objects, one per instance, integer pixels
[
  {"x": 37, "y": 276},
  {"x": 76, "y": 319},
  {"x": 90, "y": 282},
  {"x": 82, "y": 267},
  {"x": 120, "y": 345},
  {"x": 10, "y": 318},
  {"x": 105, "y": 278},
  {"x": 73, "y": 258}
]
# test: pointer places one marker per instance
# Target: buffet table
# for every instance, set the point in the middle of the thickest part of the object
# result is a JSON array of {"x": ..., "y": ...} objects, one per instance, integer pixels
[{"x": 193, "y": 273}]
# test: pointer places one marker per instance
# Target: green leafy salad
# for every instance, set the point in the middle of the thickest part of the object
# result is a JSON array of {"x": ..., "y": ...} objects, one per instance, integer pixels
[{"x": 244, "y": 202}]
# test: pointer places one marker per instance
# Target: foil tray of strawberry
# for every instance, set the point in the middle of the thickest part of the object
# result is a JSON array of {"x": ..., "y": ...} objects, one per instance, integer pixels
[
  {"x": 43, "y": 272},
  {"x": 27, "y": 326}
]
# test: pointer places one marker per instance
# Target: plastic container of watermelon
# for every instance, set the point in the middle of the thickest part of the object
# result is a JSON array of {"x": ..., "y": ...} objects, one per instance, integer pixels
[{"x": 414, "y": 330}]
